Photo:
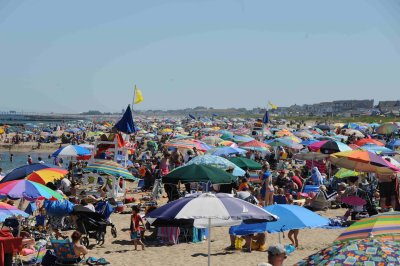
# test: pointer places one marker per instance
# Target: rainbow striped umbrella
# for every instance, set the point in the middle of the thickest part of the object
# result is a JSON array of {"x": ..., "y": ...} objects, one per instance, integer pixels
[
  {"x": 7, "y": 210},
  {"x": 45, "y": 176},
  {"x": 110, "y": 168},
  {"x": 387, "y": 129},
  {"x": 385, "y": 224},
  {"x": 363, "y": 161},
  {"x": 28, "y": 189}
]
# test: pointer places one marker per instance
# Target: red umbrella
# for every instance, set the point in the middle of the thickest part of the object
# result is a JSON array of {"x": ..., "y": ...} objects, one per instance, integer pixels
[{"x": 354, "y": 201}]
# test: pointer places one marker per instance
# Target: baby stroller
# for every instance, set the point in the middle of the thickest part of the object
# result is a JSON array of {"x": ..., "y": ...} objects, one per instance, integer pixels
[
  {"x": 106, "y": 209},
  {"x": 90, "y": 224}
]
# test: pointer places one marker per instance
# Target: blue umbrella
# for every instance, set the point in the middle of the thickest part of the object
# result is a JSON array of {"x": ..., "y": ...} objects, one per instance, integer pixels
[
  {"x": 308, "y": 142},
  {"x": 393, "y": 144},
  {"x": 224, "y": 151},
  {"x": 377, "y": 149},
  {"x": 24, "y": 171},
  {"x": 285, "y": 143},
  {"x": 126, "y": 123},
  {"x": 290, "y": 217}
]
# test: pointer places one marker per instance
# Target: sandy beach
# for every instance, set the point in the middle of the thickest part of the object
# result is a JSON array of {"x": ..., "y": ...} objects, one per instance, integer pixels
[{"x": 120, "y": 251}]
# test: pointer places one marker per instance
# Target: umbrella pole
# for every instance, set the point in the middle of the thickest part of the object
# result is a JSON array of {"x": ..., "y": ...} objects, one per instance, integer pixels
[{"x": 209, "y": 241}]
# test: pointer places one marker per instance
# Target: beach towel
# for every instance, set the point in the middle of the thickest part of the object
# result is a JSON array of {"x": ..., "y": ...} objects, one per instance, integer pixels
[{"x": 169, "y": 234}]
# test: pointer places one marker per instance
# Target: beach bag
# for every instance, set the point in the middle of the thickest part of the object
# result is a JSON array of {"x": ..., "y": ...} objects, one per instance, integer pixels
[{"x": 58, "y": 207}]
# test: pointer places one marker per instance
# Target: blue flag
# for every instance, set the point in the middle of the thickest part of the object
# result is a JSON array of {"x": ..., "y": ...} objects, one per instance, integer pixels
[
  {"x": 266, "y": 118},
  {"x": 126, "y": 123}
]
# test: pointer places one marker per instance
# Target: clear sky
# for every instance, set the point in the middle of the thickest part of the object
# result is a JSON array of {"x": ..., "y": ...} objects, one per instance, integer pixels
[{"x": 72, "y": 56}]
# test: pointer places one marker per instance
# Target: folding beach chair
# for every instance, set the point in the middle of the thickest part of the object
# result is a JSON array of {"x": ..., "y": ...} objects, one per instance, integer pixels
[
  {"x": 65, "y": 252},
  {"x": 38, "y": 259}
]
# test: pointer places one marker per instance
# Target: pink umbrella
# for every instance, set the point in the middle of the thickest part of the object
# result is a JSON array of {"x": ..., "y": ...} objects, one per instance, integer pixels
[{"x": 354, "y": 201}]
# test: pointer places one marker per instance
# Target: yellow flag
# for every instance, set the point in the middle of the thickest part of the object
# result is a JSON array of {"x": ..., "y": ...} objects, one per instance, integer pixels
[
  {"x": 273, "y": 106},
  {"x": 138, "y": 96}
]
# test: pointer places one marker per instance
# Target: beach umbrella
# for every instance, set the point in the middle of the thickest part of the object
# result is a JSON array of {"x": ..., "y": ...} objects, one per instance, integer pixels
[
  {"x": 344, "y": 173},
  {"x": 45, "y": 176},
  {"x": 350, "y": 125},
  {"x": 290, "y": 217},
  {"x": 228, "y": 143},
  {"x": 212, "y": 140},
  {"x": 110, "y": 168},
  {"x": 387, "y": 223},
  {"x": 284, "y": 143},
  {"x": 363, "y": 161},
  {"x": 283, "y": 133},
  {"x": 377, "y": 149},
  {"x": 198, "y": 173},
  {"x": 188, "y": 144},
  {"x": 245, "y": 163},
  {"x": 392, "y": 161},
  {"x": 25, "y": 170},
  {"x": 354, "y": 201},
  {"x": 7, "y": 211},
  {"x": 303, "y": 134},
  {"x": 209, "y": 210},
  {"x": 393, "y": 144},
  {"x": 329, "y": 146},
  {"x": 218, "y": 162},
  {"x": 225, "y": 151},
  {"x": 126, "y": 123},
  {"x": 323, "y": 127},
  {"x": 387, "y": 129},
  {"x": 308, "y": 142},
  {"x": 166, "y": 130},
  {"x": 357, "y": 133},
  {"x": 27, "y": 189},
  {"x": 369, "y": 251},
  {"x": 71, "y": 151},
  {"x": 364, "y": 141},
  {"x": 254, "y": 145},
  {"x": 242, "y": 139}
]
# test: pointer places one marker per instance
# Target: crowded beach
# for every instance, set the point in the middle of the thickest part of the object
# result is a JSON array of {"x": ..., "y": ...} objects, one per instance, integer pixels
[{"x": 222, "y": 191}]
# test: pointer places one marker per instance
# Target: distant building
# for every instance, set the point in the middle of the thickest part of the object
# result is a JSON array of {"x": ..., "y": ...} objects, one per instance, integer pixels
[{"x": 389, "y": 107}]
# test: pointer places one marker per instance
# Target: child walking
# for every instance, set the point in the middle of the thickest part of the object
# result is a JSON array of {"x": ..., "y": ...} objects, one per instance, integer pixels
[{"x": 135, "y": 227}]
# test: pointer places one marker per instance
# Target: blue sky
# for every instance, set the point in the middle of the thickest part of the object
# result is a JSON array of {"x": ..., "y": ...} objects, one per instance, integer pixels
[{"x": 72, "y": 56}]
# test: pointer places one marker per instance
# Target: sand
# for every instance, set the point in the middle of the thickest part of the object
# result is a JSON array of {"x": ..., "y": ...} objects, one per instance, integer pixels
[{"x": 120, "y": 251}]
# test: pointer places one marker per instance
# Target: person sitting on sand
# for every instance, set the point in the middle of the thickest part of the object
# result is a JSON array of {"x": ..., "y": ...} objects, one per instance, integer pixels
[
  {"x": 78, "y": 248},
  {"x": 135, "y": 227},
  {"x": 276, "y": 256}
]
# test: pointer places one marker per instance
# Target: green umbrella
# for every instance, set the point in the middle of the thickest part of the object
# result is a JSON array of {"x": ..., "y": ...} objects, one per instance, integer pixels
[
  {"x": 198, "y": 173},
  {"x": 343, "y": 173},
  {"x": 245, "y": 163}
]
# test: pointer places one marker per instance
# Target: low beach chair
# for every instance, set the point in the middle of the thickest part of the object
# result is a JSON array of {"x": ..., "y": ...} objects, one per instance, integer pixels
[
  {"x": 38, "y": 259},
  {"x": 65, "y": 252}
]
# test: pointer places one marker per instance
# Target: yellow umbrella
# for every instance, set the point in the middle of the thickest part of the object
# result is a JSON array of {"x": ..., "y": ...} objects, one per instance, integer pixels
[{"x": 166, "y": 130}]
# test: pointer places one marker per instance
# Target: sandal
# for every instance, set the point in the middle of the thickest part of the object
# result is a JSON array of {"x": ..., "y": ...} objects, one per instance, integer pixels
[{"x": 102, "y": 261}]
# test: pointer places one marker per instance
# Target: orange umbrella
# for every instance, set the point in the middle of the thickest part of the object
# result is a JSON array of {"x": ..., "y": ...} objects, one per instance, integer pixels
[{"x": 362, "y": 142}]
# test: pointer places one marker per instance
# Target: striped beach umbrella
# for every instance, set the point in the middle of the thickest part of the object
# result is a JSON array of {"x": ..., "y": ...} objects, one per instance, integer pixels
[
  {"x": 384, "y": 224},
  {"x": 363, "y": 161},
  {"x": 255, "y": 145},
  {"x": 218, "y": 162},
  {"x": 209, "y": 210},
  {"x": 110, "y": 168},
  {"x": 188, "y": 144},
  {"x": 28, "y": 189},
  {"x": 45, "y": 176}
]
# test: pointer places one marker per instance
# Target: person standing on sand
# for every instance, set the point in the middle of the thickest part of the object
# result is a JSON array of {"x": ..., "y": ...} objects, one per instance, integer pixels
[
  {"x": 135, "y": 227},
  {"x": 29, "y": 160},
  {"x": 11, "y": 157}
]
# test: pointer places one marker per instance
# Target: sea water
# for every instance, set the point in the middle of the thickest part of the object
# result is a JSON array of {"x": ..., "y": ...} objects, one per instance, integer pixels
[{"x": 21, "y": 158}]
